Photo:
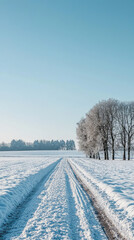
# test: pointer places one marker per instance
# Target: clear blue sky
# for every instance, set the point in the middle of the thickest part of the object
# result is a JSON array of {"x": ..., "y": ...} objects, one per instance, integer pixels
[{"x": 57, "y": 59}]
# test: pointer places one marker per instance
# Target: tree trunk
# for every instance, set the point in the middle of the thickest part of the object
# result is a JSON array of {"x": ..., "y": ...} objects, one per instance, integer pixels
[
  {"x": 129, "y": 147},
  {"x": 99, "y": 156},
  {"x": 113, "y": 151},
  {"x": 124, "y": 153},
  {"x": 113, "y": 154},
  {"x": 107, "y": 152},
  {"x": 105, "y": 147},
  {"x": 128, "y": 153},
  {"x": 124, "y": 144}
]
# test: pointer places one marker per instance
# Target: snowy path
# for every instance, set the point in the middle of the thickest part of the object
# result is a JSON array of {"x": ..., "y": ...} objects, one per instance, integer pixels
[
  {"x": 58, "y": 209},
  {"x": 112, "y": 184},
  {"x": 17, "y": 181}
]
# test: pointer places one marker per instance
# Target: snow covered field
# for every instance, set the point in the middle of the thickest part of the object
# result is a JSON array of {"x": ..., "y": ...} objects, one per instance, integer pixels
[
  {"x": 112, "y": 182},
  {"x": 40, "y": 198}
]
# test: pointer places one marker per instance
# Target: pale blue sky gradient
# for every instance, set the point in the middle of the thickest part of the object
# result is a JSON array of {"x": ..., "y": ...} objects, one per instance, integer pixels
[{"x": 57, "y": 59}]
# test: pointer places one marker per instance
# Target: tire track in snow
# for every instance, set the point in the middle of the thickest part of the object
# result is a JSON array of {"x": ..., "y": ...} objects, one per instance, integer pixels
[
  {"x": 73, "y": 220},
  {"x": 9, "y": 227},
  {"x": 50, "y": 221},
  {"x": 109, "y": 228},
  {"x": 89, "y": 227},
  {"x": 59, "y": 209}
]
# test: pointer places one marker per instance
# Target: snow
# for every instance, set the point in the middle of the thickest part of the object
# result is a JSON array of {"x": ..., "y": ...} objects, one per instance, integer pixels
[
  {"x": 18, "y": 176},
  {"x": 40, "y": 197},
  {"x": 112, "y": 182},
  {"x": 60, "y": 209}
]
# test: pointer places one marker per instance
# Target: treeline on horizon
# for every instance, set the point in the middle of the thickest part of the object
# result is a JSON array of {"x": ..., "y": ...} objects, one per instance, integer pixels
[
  {"x": 20, "y": 145},
  {"x": 107, "y": 127}
]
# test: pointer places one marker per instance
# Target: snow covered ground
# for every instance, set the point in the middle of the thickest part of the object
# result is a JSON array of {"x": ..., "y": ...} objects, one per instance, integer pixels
[
  {"x": 112, "y": 182},
  {"x": 47, "y": 200},
  {"x": 20, "y": 172},
  {"x": 40, "y": 197},
  {"x": 18, "y": 176}
]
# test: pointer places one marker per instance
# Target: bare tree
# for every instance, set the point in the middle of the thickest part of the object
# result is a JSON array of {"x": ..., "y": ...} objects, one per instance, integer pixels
[
  {"x": 111, "y": 112},
  {"x": 129, "y": 125},
  {"x": 121, "y": 118}
]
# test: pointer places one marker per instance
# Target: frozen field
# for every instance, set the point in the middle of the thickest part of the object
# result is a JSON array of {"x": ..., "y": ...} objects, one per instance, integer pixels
[
  {"x": 112, "y": 183},
  {"x": 40, "y": 198}
]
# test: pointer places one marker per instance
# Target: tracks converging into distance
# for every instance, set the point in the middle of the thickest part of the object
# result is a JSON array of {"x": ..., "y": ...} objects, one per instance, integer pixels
[
  {"x": 73, "y": 203},
  {"x": 109, "y": 228}
]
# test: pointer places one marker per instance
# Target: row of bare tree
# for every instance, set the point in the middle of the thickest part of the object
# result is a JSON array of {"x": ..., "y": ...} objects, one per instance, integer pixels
[{"x": 108, "y": 126}]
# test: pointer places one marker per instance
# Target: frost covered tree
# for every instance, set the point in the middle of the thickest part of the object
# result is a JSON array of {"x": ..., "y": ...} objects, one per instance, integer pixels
[
  {"x": 126, "y": 123},
  {"x": 111, "y": 112},
  {"x": 93, "y": 137},
  {"x": 82, "y": 135},
  {"x": 19, "y": 145},
  {"x": 70, "y": 145},
  {"x": 97, "y": 127},
  {"x": 108, "y": 125},
  {"x": 130, "y": 126}
]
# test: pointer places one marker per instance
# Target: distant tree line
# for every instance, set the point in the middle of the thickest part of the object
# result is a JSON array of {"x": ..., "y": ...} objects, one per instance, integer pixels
[
  {"x": 108, "y": 126},
  {"x": 19, "y": 145}
]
